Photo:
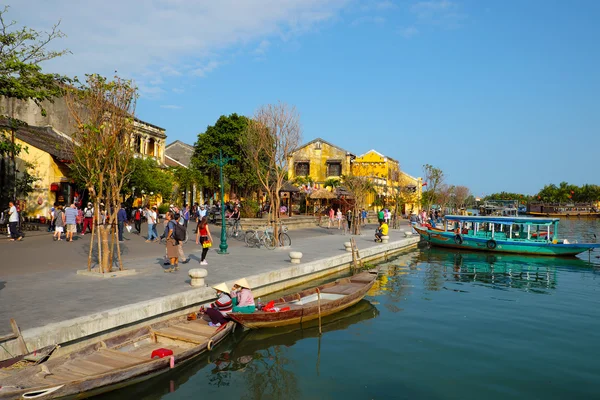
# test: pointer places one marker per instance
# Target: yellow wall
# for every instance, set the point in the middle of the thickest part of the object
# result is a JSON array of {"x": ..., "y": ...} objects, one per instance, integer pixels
[
  {"x": 45, "y": 168},
  {"x": 318, "y": 158}
]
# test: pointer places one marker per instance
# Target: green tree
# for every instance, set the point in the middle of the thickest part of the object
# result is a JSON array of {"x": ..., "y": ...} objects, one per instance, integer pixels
[
  {"x": 148, "y": 176},
  {"x": 21, "y": 78},
  {"x": 227, "y": 134}
]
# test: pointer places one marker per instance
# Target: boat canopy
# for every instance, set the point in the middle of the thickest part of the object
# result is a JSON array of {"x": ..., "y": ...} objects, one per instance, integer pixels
[{"x": 502, "y": 220}]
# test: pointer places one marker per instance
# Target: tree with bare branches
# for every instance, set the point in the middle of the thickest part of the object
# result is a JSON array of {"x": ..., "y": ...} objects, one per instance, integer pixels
[
  {"x": 103, "y": 113},
  {"x": 461, "y": 193},
  {"x": 272, "y": 135},
  {"x": 360, "y": 187}
]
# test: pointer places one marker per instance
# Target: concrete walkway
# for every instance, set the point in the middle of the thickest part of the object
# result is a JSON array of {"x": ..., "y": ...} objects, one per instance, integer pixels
[{"x": 39, "y": 284}]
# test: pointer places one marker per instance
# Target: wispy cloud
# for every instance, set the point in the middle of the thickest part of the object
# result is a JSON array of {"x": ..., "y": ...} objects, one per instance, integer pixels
[
  {"x": 170, "y": 38},
  {"x": 178, "y": 90},
  {"x": 385, "y": 5},
  {"x": 205, "y": 69},
  {"x": 408, "y": 32},
  {"x": 439, "y": 12},
  {"x": 368, "y": 19},
  {"x": 170, "y": 107}
]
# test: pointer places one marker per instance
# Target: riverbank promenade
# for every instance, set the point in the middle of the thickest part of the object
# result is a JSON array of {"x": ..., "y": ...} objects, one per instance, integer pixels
[{"x": 39, "y": 286}]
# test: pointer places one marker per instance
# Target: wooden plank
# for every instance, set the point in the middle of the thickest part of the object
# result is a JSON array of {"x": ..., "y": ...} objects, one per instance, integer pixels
[
  {"x": 201, "y": 326},
  {"x": 197, "y": 330},
  {"x": 177, "y": 334},
  {"x": 17, "y": 333},
  {"x": 119, "y": 355},
  {"x": 89, "y": 367}
]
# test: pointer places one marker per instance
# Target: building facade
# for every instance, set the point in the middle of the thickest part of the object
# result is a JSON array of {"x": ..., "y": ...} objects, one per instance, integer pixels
[
  {"x": 318, "y": 161},
  {"x": 48, "y": 143}
]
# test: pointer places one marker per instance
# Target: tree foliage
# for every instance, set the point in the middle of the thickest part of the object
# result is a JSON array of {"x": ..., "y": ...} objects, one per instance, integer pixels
[
  {"x": 568, "y": 193},
  {"x": 227, "y": 134},
  {"x": 21, "y": 78},
  {"x": 146, "y": 175},
  {"x": 508, "y": 196}
]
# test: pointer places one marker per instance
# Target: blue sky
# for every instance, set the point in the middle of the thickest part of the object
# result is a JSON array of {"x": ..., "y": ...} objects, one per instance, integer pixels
[{"x": 501, "y": 95}]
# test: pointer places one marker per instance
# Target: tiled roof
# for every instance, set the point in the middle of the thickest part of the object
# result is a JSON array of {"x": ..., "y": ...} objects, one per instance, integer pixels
[
  {"x": 44, "y": 138},
  {"x": 180, "y": 152}
]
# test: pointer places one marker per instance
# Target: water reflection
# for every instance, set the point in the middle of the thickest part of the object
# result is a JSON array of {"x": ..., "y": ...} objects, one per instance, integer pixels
[{"x": 442, "y": 269}]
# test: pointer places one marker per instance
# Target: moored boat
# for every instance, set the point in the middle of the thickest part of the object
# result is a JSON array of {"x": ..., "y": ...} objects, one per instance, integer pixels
[
  {"x": 538, "y": 236},
  {"x": 310, "y": 303},
  {"x": 116, "y": 362}
]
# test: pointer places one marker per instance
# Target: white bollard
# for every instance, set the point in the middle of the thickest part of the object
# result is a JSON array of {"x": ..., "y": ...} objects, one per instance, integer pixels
[
  {"x": 348, "y": 246},
  {"x": 197, "y": 275},
  {"x": 385, "y": 239},
  {"x": 295, "y": 257}
]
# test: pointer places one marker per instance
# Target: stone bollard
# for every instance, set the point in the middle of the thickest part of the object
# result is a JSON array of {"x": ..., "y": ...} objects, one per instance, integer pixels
[
  {"x": 348, "y": 246},
  {"x": 198, "y": 275},
  {"x": 295, "y": 257},
  {"x": 385, "y": 239},
  {"x": 407, "y": 233}
]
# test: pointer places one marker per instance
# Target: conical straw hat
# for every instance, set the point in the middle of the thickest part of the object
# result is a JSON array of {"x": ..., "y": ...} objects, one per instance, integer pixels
[
  {"x": 243, "y": 283},
  {"x": 221, "y": 287}
]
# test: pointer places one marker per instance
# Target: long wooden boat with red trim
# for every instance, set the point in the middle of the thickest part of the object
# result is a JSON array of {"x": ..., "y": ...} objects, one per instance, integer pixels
[
  {"x": 308, "y": 304},
  {"x": 113, "y": 363}
]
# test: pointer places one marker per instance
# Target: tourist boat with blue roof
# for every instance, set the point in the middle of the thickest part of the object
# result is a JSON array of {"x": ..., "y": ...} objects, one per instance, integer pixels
[{"x": 521, "y": 235}]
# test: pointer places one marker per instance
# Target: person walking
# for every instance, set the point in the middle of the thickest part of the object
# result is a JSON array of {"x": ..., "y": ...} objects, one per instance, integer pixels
[
  {"x": 172, "y": 246},
  {"x": 121, "y": 221},
  {"x": 88, "y": 219},
  {"x": 71, "y": 221},
  {"x": 151, "y": 218},
  {"x": 204, "y": 238},
  {"x": 349, "y": 220},
  {"x": 13, "y": 222},
  {"x": 137, "y": 218},
  {"x": 186, "y": 215},
  {"x": 59, "y": 222},
  {"x": 339, "y": 218},
  {"x": 79, "y": 219}
]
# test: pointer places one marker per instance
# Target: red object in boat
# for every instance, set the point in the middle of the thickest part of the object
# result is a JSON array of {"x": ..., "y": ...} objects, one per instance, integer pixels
[{"x": 162, "y": 352}]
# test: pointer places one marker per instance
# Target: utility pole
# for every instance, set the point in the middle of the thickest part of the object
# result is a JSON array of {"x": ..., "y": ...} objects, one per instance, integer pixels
[{"x": 221, "y": 162}]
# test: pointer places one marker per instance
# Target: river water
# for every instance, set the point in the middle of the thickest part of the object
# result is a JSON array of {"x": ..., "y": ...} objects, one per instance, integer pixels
[{"x": 437, "y": 324}]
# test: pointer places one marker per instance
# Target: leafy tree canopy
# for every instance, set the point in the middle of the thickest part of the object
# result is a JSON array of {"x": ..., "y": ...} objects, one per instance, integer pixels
[
  {"x": 566, "y": 193},
  {"x": 226, "y": 135},
  {"x": 148, "y": 176}
]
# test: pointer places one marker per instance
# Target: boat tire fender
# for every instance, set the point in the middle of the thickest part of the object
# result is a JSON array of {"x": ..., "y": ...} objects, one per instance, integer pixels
[
  {"x": 458, "y": 239},
  {"x": 491, "y": 244},
  {"x": 209, "y": 345}
]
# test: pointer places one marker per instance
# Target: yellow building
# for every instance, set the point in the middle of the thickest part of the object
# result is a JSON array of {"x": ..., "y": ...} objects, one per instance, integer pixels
[
  {"x": 319, "y": 160},
  {"x": 45, "y": 156}
]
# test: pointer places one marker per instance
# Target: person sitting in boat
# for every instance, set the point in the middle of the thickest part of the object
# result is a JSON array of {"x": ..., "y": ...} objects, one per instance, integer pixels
[
  {"x": 381, "y": 231},
  {"x": 217, "y": 312},
  {"x": 241, "y": 295}
]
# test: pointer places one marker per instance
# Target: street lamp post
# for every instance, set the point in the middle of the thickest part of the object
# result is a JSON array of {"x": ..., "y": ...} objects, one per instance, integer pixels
[{"x": 220, "y": 162}]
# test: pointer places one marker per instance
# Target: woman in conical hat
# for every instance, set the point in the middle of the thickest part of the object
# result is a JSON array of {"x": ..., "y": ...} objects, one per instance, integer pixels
[
  {"x": 219, "y": 309},
  {"x": 243, "y": 300}
]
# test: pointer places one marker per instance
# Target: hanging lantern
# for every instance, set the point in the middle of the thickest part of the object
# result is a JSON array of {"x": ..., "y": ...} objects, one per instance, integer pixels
[{"x": 54, "y": 187}]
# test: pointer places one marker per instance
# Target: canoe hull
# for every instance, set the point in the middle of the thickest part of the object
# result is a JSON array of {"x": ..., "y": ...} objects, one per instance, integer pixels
[
  {"x": 261, "y": 319},
  {"x": 447, "y": 239},
  {"x": 115, "y": 379}
]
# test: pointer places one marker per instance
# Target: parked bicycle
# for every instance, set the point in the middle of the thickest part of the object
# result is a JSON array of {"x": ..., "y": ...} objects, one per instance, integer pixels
[{"x": 257, "y": 237}]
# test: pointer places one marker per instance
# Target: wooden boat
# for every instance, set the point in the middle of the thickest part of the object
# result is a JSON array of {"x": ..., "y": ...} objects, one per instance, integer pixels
[
  {"x": 304, "y": 305},
  {"x": 504, "y": 234},
  {"x": 556, "y": 210},
  {"x": 113, "y": 363}
]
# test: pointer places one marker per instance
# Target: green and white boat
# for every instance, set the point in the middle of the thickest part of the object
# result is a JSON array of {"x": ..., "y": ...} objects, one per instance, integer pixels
[{"x": 537, "y": 236}]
